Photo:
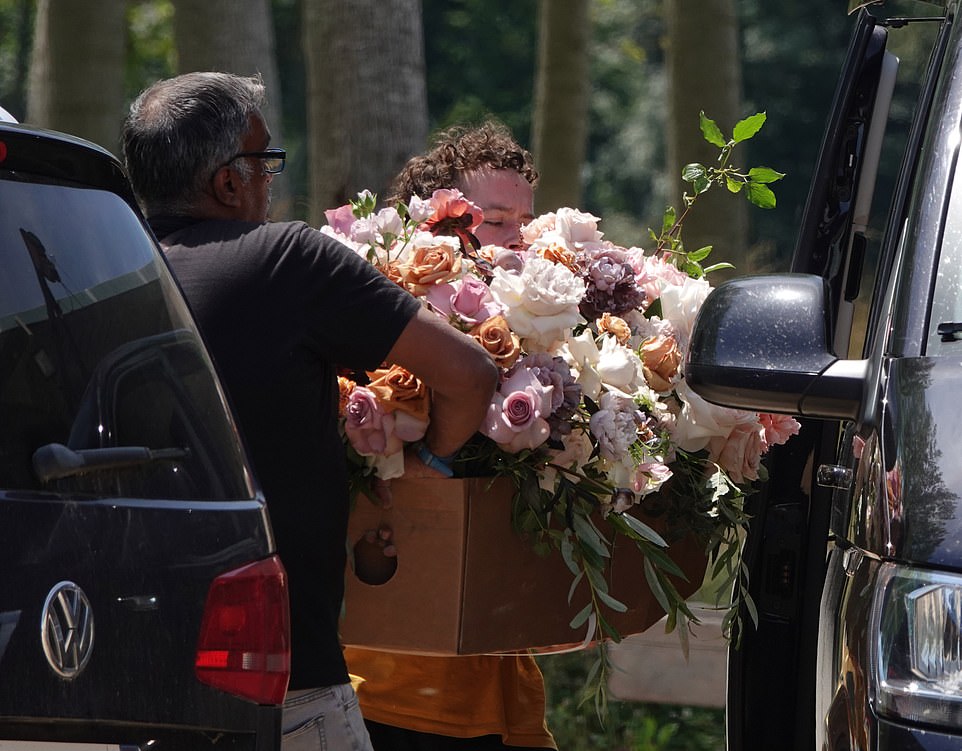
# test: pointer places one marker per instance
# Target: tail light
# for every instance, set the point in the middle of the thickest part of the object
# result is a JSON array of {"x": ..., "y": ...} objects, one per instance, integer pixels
[{"x": 245, "y": 645}]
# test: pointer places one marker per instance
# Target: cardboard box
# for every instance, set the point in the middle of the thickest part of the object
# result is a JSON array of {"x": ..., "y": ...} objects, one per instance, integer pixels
[{"x": 467, "y": 583}]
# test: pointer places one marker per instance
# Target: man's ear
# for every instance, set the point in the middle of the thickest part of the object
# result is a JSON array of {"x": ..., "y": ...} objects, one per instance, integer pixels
[{"x": 226, "y": 184}]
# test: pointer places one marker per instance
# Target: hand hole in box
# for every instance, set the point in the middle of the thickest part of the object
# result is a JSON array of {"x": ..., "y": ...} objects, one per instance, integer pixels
[{"x": 375, "y": 559}]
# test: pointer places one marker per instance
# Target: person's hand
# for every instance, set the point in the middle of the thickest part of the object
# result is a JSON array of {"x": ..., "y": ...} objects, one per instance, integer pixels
[{"x": 375, "y": 556}]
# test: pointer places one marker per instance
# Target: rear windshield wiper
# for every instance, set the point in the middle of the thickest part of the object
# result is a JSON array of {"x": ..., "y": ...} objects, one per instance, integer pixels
[{"x": 55, "y": 461}]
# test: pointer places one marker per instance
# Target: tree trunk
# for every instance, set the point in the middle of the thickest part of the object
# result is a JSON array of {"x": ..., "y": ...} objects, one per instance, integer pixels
[
  {"x": 220, "y": 35},
  {"x": 560, "y": 123},
  {"x": 704, "y": 73},
  {"x": 366, "y": 95},
  {"x": 76, "y": 80}
]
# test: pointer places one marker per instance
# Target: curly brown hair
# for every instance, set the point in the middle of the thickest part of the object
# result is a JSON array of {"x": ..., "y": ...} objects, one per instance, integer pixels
[{"x": 460, "y": 149}]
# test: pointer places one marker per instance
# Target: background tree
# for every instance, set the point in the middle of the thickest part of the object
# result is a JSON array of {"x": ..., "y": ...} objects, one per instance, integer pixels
[
  {"x": 211, "y": 35},
  {"x": 703, "y": 66},
  {"x": 366, "y": 95},
  {"x": 561, "y": 102},
  {"x": 76, "y": 79}
]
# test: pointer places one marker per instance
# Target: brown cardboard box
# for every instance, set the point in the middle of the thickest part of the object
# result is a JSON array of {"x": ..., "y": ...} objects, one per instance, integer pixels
[{"x": 466, "y": 583}]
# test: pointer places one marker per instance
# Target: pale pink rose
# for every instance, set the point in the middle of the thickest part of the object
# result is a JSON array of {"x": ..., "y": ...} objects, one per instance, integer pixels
[
  {"x": 369, "y": 428},
  {"x": 577, "y": 226},
  {"x": 649, "y": 476},
  {"x": 778, "y": 428},
  {"x": 653, "y": 275},
  {"x": 420, "y": 209},
  {"x": 539, "y": 226},
  {"x": 739, "y": 453},
  {"x": 515, "y": 418},
  {"x": 341, "y": 219},
  {"x": 467, "y": 301}
]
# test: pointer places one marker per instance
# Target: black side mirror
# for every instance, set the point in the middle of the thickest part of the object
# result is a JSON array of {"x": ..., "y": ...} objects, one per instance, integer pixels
[{"x": 764, "y": 343}]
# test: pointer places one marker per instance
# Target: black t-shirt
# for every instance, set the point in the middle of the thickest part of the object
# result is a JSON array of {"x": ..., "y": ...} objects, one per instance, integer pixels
[{"x": 279, "y": 304}]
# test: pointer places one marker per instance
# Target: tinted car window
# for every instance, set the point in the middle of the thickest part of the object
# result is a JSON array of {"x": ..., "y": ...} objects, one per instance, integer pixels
[
  {"x": 97, "y": 354},
  {"x": 947, "y": 299}
]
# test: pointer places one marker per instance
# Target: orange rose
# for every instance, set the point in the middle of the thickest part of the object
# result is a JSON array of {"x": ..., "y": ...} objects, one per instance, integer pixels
[
  {"x": 344, "y": 386},
  {"x": 560, "y": 255},
  {"x": 660, "y": 358},
  {"x": 398, "y": 389},
  {"x": 617, "y": 327},
  {"x": 498, "y": 340},
  {"x": 428, "y": 265},
  {"x": 392, "y": 271}
]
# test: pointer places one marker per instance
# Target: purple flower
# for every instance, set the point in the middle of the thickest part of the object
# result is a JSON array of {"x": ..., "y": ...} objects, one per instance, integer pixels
[{"x": 609, "y": 281}]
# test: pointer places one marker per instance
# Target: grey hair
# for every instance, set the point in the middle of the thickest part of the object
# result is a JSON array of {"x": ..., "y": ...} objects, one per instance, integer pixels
[{"x": 181, "y": 130}]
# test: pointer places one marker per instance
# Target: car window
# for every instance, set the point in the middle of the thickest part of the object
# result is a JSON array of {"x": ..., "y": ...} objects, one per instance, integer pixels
[
  {"x": 97, "y": 352},
  {"x": 947, "y": 298}
]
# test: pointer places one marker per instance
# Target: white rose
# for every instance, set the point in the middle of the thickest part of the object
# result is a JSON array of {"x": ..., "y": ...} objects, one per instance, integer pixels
[
  {"x": 577, "y": 226},
  {"x": 619, "y": 366},
  {"x": 541, "y": 301},
  {"x": 420, "y": 209},
  {"x": 582, "y": 355},
  {"x": 389, "y": 222},
  {"x": 680, "y": 304},
  {"x": 700, "y": 421}
]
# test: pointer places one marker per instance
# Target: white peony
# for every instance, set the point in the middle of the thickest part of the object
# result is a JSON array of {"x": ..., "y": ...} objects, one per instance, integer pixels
[{"x": 582, "y": 355}]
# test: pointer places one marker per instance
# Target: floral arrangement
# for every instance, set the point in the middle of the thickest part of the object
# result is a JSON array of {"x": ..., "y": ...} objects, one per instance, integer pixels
[{"x": 592, "y": 417}]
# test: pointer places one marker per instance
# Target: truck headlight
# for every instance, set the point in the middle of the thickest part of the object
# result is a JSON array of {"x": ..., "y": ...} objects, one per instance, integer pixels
[{"x": 916, "y": 654}]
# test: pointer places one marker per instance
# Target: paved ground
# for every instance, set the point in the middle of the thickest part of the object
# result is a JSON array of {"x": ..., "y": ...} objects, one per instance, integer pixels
[{"x": 651, "y": 666}]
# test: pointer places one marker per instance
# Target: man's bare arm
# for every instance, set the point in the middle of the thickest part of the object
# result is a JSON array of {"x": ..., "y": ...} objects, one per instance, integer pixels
[{"x": 461, "y": 375}]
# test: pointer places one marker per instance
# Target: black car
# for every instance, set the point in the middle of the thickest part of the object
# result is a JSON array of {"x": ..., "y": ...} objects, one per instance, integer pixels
[
  {"x": 855, "y": 547},
  {"x": 142, "y": 604}
]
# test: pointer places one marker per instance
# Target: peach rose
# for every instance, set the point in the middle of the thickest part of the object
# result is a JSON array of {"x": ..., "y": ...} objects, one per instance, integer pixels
[
  {"x": 433, "y": 260},
  {"x": 344, "y": 387},
  {"x": 617, "y": 327},
  {"x": 398, "y": 389},
  {"x": 393, "y": 272},
  {"x": 660, "y": 357},
  {"x": 559, "y": 254},
  {"x": 498, "y": 340},
  {"x": 739, "y": 453}
]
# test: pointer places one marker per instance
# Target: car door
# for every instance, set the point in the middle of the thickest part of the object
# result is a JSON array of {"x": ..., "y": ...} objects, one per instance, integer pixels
[{"x": 786, "y": 547}]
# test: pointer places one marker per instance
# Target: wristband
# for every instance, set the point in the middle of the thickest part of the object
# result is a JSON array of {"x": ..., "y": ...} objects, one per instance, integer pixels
[{"x": 440, "y": 464}]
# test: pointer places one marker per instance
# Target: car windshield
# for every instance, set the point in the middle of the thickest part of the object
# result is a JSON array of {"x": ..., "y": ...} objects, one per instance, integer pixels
[{"x": 97, "y": 352}]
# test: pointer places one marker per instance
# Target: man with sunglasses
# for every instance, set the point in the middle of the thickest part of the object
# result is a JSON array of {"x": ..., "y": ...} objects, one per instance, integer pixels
[{"x": 279, "y": 305}]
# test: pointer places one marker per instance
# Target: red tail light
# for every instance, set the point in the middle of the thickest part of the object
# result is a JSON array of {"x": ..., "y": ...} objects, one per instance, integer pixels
[{"x": 245, "y": 644}]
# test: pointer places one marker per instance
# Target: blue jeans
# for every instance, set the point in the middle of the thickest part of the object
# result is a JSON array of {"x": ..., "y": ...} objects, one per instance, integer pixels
[{"x": 323, "y": 719}]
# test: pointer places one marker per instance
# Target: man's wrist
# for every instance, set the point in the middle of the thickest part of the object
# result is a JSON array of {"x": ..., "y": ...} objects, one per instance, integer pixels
[{"x": 440, "y": 464}]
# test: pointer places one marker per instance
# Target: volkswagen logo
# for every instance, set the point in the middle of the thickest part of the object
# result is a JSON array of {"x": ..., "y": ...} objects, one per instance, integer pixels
[{"x": 67, "y": 629}]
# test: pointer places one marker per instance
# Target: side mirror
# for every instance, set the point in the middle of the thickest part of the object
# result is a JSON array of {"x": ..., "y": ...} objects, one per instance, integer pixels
[{"x": 763, "y": 343}]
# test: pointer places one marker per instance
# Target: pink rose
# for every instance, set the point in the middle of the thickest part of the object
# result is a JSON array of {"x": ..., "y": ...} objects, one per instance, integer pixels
[
  {"x": 739, "y": 453},
  {"x": 369, "y": 428},
  {"x": 515, "y": 418},
  {"x": 778, "y": 428},
  {"x": 469, "y": 301},
  {"x": 341, "y": 219}
]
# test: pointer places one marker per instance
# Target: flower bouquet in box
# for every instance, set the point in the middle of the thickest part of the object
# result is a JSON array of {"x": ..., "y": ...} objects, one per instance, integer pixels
[{"x": 592, "y": 418}]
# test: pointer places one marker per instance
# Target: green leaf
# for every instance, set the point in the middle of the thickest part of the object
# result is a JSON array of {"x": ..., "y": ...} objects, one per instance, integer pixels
[
  {"x": 701, "y": 254},
  {"x": 574, "y": 585},
  {"x": 692, "y": 172},
  {"x": 718, "y": 267},
  {"x": 761, "y": 195},
  {"x": 701, "y": 185},
  {"x": 745, "y": 129},
  {"x": 765, "y": 175},
  {"x": 668, "y": 220},
  {"x": 733, "y": 185},
  {"x": 643, "y": 530},
  {"x": 567, "y": 553},
  {"x": 611, "y": 602},
  {"x": 711, "y": 131},
  {"x": 582, "y": 618},
  {"x": 588, "y": 535},
  {"x": 656, "y": 589}
]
